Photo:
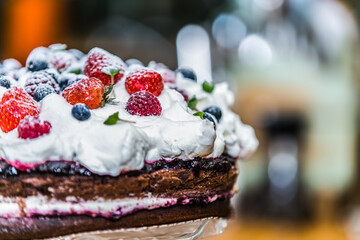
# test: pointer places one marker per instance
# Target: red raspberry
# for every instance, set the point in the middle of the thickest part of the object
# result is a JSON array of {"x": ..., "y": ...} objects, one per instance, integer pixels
[
  {"x": 15, "y": 105},
  {"x": 37, "y": 78},
  {"x": 144, "y": 80},
  {"x": 143, "y": 104},
  {"x": 61, "y": 60},
  {"x": 182, "y": 92},
  {"x": 31, "y": 127},
  {"x": 88, "y": 90},
  {"x": 97, "y": 60},
  {"x": 168, "y": 76}
]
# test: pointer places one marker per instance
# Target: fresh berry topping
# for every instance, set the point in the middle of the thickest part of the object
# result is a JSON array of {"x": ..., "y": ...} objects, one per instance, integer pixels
[
  {"x": 11, "y": 64},
  {"x": 209, "y": 117},
  {"x": 37, "y": 59},
  {"x": 143, "y": 104},
  {"x": 76, "y": 53},
  {"x": 57, "y": 47},
  {"x": 61, "y": 60},
  {"x": 168, "y": 76},
  {"x": 97, "y": 60},
  {"x": 5, "y": 81},
  {"x": 158, "y": 66},
  {"x": 133, "y": 61},
  {"x": 81, "y": 112},
  {"x": 15, "y": 105},
  {"x": 31, "y": 127},
  {"x": 38, "y": 78},
  {"x": 42, "y": 91},
  {"x": 16, "y": 74},
  {"x": 88, "y": 90},
  {"x": 67, "y": 79},
  {"x": 215, "y": 111},
  {"x": 53, "y": 73},
  {"x": 187, "y": 73},
  {"x": 182, "y": 92},
  {"x": 144, "y": 80}
]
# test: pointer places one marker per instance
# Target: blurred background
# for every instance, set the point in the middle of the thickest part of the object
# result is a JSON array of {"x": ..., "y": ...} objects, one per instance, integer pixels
[{"x": 293, "y": 64}]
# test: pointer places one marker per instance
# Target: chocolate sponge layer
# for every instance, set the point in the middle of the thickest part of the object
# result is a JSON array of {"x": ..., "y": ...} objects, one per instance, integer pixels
[
  {"x": 180, "y": 179},
  {"x": 45, "y": 227}
]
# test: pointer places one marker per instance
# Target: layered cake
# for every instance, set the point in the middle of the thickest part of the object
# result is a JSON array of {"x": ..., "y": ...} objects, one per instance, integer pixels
[{"x": 89, "y": 142}]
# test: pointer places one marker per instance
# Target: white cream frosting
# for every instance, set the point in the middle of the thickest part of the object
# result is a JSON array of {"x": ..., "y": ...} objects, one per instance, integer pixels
[{"x": 103, "y": 149}]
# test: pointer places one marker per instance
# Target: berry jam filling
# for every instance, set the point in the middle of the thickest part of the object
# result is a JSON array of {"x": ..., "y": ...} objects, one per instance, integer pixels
[{"x": 67, "y": 168}]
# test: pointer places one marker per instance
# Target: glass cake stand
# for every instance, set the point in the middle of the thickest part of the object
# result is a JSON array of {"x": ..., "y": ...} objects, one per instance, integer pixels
[{"x": 194, "y": 229}]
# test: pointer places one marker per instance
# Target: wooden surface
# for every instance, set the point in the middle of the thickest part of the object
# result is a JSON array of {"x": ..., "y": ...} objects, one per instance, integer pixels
[{"x": 266, "y": 230}]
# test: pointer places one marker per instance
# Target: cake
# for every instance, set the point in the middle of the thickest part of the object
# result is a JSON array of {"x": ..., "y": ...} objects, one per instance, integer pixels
[{"x": 89, "y": 142}]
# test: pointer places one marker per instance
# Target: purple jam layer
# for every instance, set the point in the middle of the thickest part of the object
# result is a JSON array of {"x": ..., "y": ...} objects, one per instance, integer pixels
[{"x": 68, "y": 168}]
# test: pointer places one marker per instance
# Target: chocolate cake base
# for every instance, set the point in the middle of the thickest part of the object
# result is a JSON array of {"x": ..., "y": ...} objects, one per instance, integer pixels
[
  {"x": 46, "y": 227},
  {"x": 199, "y": 188}
]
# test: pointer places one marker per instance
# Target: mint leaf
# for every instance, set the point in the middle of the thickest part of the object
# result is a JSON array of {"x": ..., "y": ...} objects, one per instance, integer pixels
[
  {"x": 200, "y": 114},
  {"x": 76, "y": 71},
  {"x": 111, "y": 70},
  {"x": 208, "y": 87},
  {"x": 192, "y": 102},
  {"x": 112, "y": 119}
]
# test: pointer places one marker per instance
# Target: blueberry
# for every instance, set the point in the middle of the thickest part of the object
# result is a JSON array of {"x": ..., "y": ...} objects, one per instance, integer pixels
[
  {"x": 42, "y": 91},
  {"x": 67, "y": 79},
  {"x": 11, "y": 64},
  {"x": 187, "y": 73},
  {"x": 81, "y": 112},
  {"x": 37, "y": 59},
  {"x": 209, "y": 117},
  {"x": 215, "y": 111},
  {"x": 37, "y": 65},
  {"x": 5, "y": 81}
]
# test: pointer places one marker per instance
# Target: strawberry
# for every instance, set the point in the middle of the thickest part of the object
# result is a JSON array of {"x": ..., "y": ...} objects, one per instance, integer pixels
[
  {"x": 15, "y": 105},
  {"x": 88, "y": 90},
  {"x": 143, "y": 104},
  {"x": 61, "y": 60},
  {"x": 144, "y": 80},
  {"x": 31, "y": 127},
  {"x": 97, "y": 60}
]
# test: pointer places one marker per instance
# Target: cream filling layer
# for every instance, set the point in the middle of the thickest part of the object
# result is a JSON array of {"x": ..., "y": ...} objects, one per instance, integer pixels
[{"x": 41, "y": 205}]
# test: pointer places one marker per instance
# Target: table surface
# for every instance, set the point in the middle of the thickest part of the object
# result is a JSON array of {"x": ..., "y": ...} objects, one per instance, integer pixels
[{"x": 266, "y": 230}]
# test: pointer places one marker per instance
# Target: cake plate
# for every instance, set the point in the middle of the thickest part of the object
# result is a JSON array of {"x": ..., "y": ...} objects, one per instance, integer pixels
[{"x": 194, "y": 229}]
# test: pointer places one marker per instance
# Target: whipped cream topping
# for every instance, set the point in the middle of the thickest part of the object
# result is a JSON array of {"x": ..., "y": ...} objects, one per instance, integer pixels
[{"x": 110, "y": 150}]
